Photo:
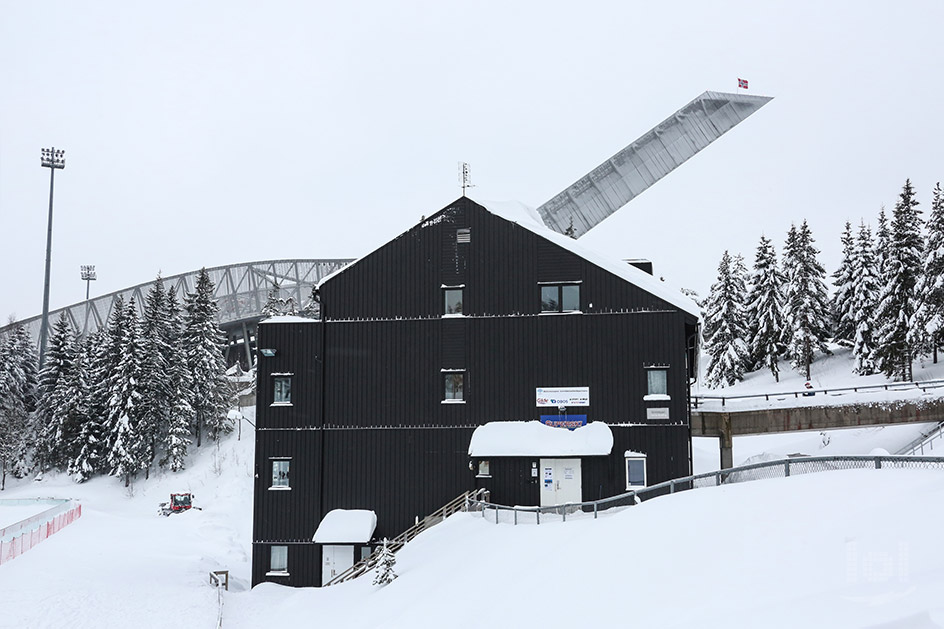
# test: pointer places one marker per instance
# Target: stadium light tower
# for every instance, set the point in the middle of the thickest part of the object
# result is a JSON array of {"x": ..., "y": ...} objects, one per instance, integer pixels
[
  {"x": 52, "y": 159},
  {"x": 88, "y": 274}
]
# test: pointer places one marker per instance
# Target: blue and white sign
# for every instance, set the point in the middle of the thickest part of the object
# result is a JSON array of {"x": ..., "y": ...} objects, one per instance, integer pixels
[
  {"x": 562, "y": 396},
  {"x": 564, "y": 421}
]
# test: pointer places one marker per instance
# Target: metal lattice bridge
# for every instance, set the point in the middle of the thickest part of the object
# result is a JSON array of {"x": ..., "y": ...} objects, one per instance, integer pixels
[{"x": 241, "y": 290}]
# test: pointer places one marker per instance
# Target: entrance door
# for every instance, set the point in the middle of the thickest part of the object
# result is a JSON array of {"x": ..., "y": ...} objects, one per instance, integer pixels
[
  {"x": 336, "y": 560},
  {"x": 560, "y": 482}
]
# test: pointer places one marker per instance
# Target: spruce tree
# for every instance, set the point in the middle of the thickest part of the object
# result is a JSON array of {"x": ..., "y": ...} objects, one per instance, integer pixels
[
  {"x": 805, "y": 299},
  {"x": 204, "y": 343},
  {"x": 841, "y": 305},
  {"x": 898, "y": 302},
  {"x": 765, "y": 309},
  {"x": 126, "y": 445},
  {"x": 882, "y": 242},
  {"x": 384, "y": 573},
  {"x": 156, "y": 400},
  {"x": 725, "y": 328},
  {"x": 928, "y": 321},
  {"x": 181, "y": 415},
  {"x": 90, "y": 444},
  {"x": 863, "y": 300},
  {"x": 14, "y": 416},
  {"x": 52, "y": 426}
]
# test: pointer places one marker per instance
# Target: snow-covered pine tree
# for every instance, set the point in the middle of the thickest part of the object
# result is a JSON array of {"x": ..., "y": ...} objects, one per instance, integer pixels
[
  {"x": 24, "y": 350},
  {"x": 864, "y": 298},
  {"x": 765, "y": 309},
  {"x": 805, "y": 299},
  {"x": 384, "y": 573},
  {"x": 90, "y": 444},
  {"x": 14, "y": 417},
  {"x": 725, "y": 328},
  {"x": 841, "y": 304},
  {"x": 181, "y": 416},
  {"x": 897, "y": 302},
  {"x": 51, "y": 424},
  {"x": 882, "y": 240},
  {"x": 156, "y": 400},
  {"x": 276, "y": 305},
  {"x": 204, "y": 345},
  {"x": 928, "y": 322},
  {"x": 126, "y": 446}
]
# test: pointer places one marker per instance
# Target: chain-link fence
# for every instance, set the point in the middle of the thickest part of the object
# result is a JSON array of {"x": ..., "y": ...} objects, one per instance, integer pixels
[{"x": 501, "y": 514}]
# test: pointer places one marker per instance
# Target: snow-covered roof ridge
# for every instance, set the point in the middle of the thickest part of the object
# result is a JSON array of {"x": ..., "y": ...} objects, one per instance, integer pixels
[
  {"x": 346, "y": 526},
  {"x": 532, "y": 438},
  {"x": 528, "y": 217}
]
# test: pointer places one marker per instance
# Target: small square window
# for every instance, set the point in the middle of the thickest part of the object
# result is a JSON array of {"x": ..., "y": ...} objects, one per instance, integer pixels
[
  {"x": 483, "y": 468},
  {"x": 278, "y": 559},
  {"x": 280, "y": 471},
  {"x": 635, "y": 472},
  {"x": 560, "y": 298},
  {"x": 657, "y": 381},
  {"x": 282, "y": 387},
  {"x": 454, "y": 386},
  {"x": 452, "y": 301}
]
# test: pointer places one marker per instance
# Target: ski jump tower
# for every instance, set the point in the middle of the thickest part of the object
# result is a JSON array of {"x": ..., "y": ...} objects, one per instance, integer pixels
[{"x": 621, "y": 178}]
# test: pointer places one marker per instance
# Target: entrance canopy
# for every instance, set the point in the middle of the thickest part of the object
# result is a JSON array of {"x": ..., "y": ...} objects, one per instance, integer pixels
[
  {"x": 536, "y": 439},
  {"x": 346, "y": 526}
]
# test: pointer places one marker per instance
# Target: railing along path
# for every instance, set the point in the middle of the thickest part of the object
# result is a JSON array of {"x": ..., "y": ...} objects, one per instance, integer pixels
[
  {"x": 744, "y": 473},
  {"x": 459, "y": 503},
  {"x": 699, "y": 400}
]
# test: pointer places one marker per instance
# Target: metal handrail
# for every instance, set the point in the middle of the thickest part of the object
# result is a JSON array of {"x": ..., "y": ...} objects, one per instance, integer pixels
[
  {"x": 461, "y": 502},
  {"x": 719, "y": 477},
  {"x": 893, "y": 386},
  {"x": 926, "y": 439}
]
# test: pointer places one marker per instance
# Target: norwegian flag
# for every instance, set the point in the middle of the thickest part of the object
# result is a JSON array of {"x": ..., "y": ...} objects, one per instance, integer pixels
[{"x": 742, "y": 83}]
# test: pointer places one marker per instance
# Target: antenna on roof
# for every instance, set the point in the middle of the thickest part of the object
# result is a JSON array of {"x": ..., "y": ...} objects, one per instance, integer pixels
[{"x": 465, "y": 177}]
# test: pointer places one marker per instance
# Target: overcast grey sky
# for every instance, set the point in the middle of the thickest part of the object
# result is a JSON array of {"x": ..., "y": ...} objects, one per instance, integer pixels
[{"x": 210, "y": 133}]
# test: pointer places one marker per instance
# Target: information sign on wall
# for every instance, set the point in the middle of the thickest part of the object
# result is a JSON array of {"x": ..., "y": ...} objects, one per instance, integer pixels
[
  {"x": 564, "y": 421},
  {"x": 660, "y": 412},
  {"x": 563, "y": 396}
]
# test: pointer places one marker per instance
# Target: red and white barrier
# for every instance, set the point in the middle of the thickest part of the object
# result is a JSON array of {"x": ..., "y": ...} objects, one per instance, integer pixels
[{"x": 36, "y": 532}]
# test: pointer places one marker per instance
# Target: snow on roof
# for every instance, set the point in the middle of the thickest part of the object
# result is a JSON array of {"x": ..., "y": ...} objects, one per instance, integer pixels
[
  {"x": 346, "y": 526},
  {"x": 529, "y": 218},
  {"x": 288, "y": 319},
  {"x": 536, "y": 439}
]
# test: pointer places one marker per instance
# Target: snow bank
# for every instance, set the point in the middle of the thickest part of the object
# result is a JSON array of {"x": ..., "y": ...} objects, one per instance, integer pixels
[
  {"x": 536, "y": 439},
  {"x": 288, "y": 319},
  {"x": 346, "y": 526}
]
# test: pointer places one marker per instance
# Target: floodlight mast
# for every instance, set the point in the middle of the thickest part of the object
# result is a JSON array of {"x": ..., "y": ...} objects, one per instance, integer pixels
[
  {"x": 88, "y": 274},
  {"x": 52, "y": 159}
]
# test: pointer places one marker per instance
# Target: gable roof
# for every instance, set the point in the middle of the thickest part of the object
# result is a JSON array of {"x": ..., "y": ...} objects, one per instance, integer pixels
[{"x": 528, "y": 218}]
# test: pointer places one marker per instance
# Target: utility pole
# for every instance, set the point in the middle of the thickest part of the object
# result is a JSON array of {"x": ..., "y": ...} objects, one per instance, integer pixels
[{"x": 52, "y": 159}]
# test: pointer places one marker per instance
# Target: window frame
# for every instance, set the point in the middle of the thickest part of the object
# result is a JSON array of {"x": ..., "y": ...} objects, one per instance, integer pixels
[
  {"x": 652, "y": 395},
  {"x": 635, "y": 457},
  {"x": 445, "y": 303},
  {"x": 452, "y": 373},
  {"x": 484, "y": 469},
  {"x": 277, "y": 393},
  {"x": 560, "y": 286},
  {"x": 288, "y": 478},
  {"x": 275, "y": 571}
]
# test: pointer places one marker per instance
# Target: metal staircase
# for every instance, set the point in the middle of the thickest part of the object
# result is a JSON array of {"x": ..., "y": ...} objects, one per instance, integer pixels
[{"x": 467, "y": 501}]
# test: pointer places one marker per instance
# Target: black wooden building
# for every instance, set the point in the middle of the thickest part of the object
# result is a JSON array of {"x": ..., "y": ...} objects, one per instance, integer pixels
[{"x": 455, "y": 324}]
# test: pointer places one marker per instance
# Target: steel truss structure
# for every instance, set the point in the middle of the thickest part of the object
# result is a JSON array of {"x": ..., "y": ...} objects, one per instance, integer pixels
[{"x": 241, "y": 291}]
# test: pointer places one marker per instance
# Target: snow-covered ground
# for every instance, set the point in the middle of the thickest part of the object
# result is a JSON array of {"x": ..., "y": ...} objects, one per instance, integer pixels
[
  {"x": 12, "y": 513},
  {"x": 835, "y": 549},
  {"x": 827, "y": 372}
]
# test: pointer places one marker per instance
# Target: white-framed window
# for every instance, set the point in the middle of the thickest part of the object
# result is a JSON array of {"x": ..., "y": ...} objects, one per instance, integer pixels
[
  {"x": 562, "y": 297},
  {"x": 657, "y": 383},
  {"x": 280, "y": 473},
  {"x": 635, "y": 470},
  {"x": 278, "y": 560},
  {"x": 454, "y": 382},
  {"x": 282, "y": 389},
  {"x": 484, "y": 468},
  {"x": 452, "y": 300}
]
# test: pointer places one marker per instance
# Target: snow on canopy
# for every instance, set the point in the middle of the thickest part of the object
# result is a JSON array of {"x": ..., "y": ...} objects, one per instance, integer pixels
[
  {"x": 288, "y": 319},
  {"x": 536, "y": 439},
  {"x": 346, "y": 526},
  {"x": 528, "y": 217}
]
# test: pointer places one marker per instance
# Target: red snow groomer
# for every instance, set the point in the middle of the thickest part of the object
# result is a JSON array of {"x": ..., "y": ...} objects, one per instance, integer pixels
[{"x": 178, "y": 504}]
